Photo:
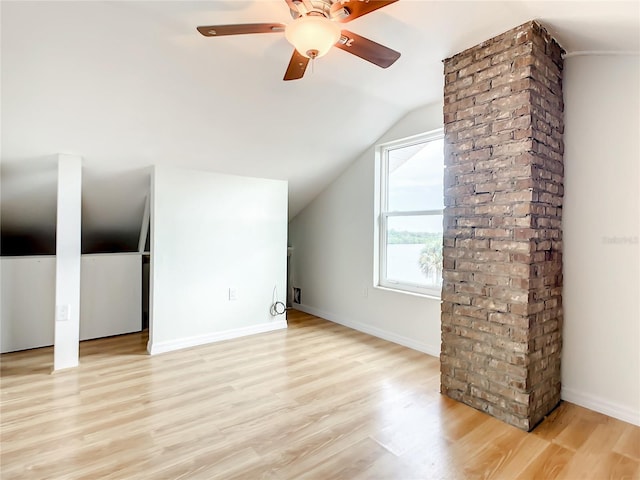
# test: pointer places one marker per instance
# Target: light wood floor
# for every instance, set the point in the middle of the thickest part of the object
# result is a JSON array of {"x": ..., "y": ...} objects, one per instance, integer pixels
[{"x": 317, "y": 401}]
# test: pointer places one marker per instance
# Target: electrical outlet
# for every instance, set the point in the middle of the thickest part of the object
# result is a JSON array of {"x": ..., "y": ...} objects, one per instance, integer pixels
[
  {"x": 62, "y": 313},
  {"x": 233, "y": 294}
]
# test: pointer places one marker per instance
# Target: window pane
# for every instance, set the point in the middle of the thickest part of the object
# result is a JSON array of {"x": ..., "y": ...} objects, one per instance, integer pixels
[
  {"x": 414, "y": 250},
  {"x": 415, "y": 175}
]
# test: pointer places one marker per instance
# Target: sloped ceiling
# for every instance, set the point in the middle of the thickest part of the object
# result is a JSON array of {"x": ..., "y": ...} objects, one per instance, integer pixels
[{"x": 128, "y": 84}]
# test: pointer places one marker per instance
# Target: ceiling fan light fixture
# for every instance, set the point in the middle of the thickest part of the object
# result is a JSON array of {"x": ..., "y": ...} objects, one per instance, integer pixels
[{"x": 312, "y": 35}]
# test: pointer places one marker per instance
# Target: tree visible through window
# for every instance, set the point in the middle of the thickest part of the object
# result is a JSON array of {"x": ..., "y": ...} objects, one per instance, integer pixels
[{"x": 409, "y": 219}]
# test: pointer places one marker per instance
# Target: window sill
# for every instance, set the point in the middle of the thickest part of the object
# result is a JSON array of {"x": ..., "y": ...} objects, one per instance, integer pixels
[{"x": 431, "y": 296}]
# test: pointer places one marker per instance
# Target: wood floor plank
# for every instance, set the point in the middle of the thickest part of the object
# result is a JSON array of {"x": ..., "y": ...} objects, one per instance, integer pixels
[
  {"x": 346, "y": 464},
  {"x": 521, "y": 454},
  {"x": 548, "y": 465},
  {"x": 629, "y": 443},
  {"x": 317, "y": 401}
]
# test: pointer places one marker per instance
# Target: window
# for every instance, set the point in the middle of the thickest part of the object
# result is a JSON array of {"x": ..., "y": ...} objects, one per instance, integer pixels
[{"x": 410, "y": 202}]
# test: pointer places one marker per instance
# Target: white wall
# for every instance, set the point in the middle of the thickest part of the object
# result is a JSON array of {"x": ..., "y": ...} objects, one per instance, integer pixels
[
  {"x": 110, "y": 295},
  {"x": 110, "y": 298},
  {"x": 333, "y": 254},
  {"x": 28, "y": 302},
  {"x": 211, "y": 232},
  {"x": 601, "y": 353}
]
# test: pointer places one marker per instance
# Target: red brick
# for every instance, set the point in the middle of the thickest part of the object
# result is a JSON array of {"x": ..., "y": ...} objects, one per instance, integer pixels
[{"x": 502, "y": 304}]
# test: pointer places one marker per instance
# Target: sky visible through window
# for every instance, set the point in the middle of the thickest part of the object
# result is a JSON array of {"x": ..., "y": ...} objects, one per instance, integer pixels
[{"x": 415, "y": 183}]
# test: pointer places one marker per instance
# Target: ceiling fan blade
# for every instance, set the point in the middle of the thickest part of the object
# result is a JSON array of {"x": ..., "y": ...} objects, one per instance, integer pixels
[
  {"x": 241, "y": 29},
  {"x": 297, "y": 66},
  {"x": 367, "y": 49},
  {"x": 356, "y": 8}
]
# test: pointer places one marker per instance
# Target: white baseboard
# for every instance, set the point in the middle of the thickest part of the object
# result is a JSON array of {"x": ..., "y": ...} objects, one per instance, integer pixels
[
  {"x": 374, "y": 331},
  {"x": 601, "y": 405},
  {"x": 168, "y": 346}
]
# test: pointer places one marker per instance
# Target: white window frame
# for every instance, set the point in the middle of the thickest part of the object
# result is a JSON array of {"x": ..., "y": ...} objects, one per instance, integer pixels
[{"x": 382, "y": 214}]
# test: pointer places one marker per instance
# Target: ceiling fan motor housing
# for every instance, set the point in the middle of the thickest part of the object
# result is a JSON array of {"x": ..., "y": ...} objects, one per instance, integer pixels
[{"x": 320, "y": 7}]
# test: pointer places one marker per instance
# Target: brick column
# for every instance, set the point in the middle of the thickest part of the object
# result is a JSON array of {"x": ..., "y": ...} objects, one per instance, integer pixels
[{"x": 502, "y": 290}]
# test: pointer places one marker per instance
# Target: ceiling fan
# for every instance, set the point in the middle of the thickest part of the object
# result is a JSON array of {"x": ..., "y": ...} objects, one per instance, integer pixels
[{"x": 316, "y": 29}]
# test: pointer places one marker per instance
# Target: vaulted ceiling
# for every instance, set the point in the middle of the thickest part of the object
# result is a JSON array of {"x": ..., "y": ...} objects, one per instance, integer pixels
[{"x": 127, "y": 84}]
